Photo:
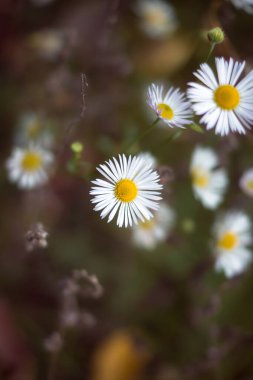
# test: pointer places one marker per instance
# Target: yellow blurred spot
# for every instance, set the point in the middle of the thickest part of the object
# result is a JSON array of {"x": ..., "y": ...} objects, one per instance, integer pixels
[
  {"x": 31, "y": 161},
  {"x": 199, "y": 178},
  {"x": 119, "y": 358},
  {"x": 228, "y": 241}
]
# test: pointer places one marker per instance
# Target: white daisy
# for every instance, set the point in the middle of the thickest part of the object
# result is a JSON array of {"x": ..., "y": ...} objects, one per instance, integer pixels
[
  {"x": 29, "y": 167},
  {"x": 147, "y": 234},
  {"x": 157, "y": 17},
  {"x": 232, "y": 234},
  {"x": 246, "y": 5},
  {"x": 246, "y": 182},
  {"x": 225, "y": 102},
  {"x": 209, "y": 183},
  {"x": 131, "y": 190},
  {"x": 172, "y": 108}
]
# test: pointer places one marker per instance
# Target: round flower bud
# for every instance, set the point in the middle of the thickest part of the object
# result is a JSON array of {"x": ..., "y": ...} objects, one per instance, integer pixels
[
  {"x": 77, "y": 147},
  {"x": 216, "y": 35}
]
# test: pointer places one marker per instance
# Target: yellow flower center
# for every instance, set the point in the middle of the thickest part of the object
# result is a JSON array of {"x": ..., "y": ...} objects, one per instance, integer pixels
[
  {"x": 228, "y": 241},
  {"x": 199, "y": 178},
  {"x": 249, "y": 184},
  {"x": 227, "y": 97},
  {"x": 125, "y": 190},
  {"x": 155, "y": 17},
  {"x": 165, "y": 111},
  {"x": 31, "y": 161}
]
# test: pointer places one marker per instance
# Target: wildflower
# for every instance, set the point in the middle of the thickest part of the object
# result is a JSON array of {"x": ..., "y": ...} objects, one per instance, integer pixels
[
  {"x": 147, "y": 234},
  {"x": 172, "y": 108},
  {"x": 131, "y": 190},
  {"x": 157, "y": 17},
  {"x": 232, "y": 237},
  {"x": 225, "y": 103},
  {"x": 209, "y": 184},
  {"x": 29, "y": 167},
  {"x": 246, "y": 182},
  {"x": 246, "y": 5}
]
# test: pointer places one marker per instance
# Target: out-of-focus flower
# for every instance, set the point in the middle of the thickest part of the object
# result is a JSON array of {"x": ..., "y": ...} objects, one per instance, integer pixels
[
  {"x": 131, "y": 188},
  {"x": 49, "y": 43},
  {"x": 34, "y": 128},
  {"x": 246, "y": 182},
  {"x": 172, "y": 108},
  {"x": 119, "y": 358},
  {"x": 225, "y": 103},
  {"x": 36, "y": 237},
  {"x": 246, "y": 5},
  {"x": 209, "y": 184},
  {"x": 29, "y": 168},
  {"x": 149, "y": 233},
  {"x": 233, "y": 235},
  {"x": 158, "y": 18}
]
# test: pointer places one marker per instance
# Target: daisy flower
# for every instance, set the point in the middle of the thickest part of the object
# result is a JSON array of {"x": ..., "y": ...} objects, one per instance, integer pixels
[
  {"x": 28, "y": 168},
  {"x": 130, "y": 190},
  {"x": 246, "y": 5},
  {"x": 172, "y": 108},
  {"x": 233, "y": 235},
  {"x": 225, "y": 102},
  {"x": 209, "y": 183},
  {"x": 147, "y": 234},
  {"x": 157, "y": 17},
  {"x": 246, "y": 182}
]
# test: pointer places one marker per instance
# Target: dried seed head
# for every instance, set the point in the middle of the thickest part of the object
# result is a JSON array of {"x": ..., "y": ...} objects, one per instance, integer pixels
[
  {"x": 54, "y": 342},
  {"x": 36, "y": 237}
]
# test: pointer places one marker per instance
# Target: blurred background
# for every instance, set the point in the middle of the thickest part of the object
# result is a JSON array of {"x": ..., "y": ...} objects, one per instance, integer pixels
[{"x": 78, "y": 298}]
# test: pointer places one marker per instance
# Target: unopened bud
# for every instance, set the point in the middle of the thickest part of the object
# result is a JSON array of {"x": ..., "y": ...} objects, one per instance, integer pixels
[
  {"x": 77, "y": 147},
  {"x": 216, "y": 35}
]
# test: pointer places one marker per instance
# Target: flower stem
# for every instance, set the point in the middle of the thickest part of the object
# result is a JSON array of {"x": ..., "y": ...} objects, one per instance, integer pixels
[
  {"x": 210, "y": 51},
  {"x": 141, "y": 137}
]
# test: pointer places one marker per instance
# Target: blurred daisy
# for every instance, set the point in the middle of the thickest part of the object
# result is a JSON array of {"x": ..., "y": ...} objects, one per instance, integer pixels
[
  {"x": 246, "y": 5},
  {"x": 29, "y": 167},
  {"x": 157, "y": 17},
  {"x": 130, "y": 189},
  {"x": 209, "y": 183},
  {"x": 172, "y": 108},
  {"x": 232, "y": 237},
  {"x": 147, "y": 234},
  {"x": 246, "y": 182},
  {"x": 225, "y": 102},
  {"x": 34, "y": 128}
]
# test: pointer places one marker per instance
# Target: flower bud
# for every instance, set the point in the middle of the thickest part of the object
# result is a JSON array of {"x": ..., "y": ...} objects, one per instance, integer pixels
[
  {"x": 77, "y": 147},
  {"x": 216, "y": 35}
]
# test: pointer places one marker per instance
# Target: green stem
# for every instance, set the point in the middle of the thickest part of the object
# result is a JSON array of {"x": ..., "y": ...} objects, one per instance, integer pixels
[
  {"x": 210, "y": 51},
  {"x": 141, "y": 137}
]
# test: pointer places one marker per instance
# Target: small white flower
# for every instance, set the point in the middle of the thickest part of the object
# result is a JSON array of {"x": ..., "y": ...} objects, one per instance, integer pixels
[
  {"x": 246, "y": 182},
  {"x": 209, "y": 183},
  {"x": 131, "y": 190},
  {"x": 48, "y": 43},
  {"x": 29, "y": 167},
  {"x": 157, "y": 17},
  {"x": 172, "y": 108},
  {"x": 232, "y": 234},
  {"x": 246, "y": 5},
  {"x": 147, "y": 234},
  {"x": 225, "y": 102}
]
